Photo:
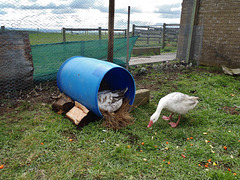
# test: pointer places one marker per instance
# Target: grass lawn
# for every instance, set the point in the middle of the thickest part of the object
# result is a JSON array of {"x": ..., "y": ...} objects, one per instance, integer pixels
[
  {"x": 37, "y": 143},
  {"x": 44, "y": 38}
]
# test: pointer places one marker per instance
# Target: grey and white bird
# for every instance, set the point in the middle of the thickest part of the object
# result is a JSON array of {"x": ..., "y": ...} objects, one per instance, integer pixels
[{"x": 111, "y": 101}]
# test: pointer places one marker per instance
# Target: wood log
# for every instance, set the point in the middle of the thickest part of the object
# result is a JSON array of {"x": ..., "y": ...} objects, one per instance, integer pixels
[
  {"x": 77, "y": 113},
  {"x": 62, "y": 104}
]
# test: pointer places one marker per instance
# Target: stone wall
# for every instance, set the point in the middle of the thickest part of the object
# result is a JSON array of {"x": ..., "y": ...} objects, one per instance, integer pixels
[
  {"x": 216, "y": 37},
  {"x": 16, "y": 65}
]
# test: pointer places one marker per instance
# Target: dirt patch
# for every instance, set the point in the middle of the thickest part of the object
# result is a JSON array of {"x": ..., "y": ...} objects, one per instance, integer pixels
[
  {"x": 231, "y": 110},
  {"x": 170, "y": 72},
  {"x": 42, "y": 93}
]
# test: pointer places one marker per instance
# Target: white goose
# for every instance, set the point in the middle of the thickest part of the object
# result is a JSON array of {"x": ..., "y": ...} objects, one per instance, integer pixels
[{"x": 175, "y": 102}]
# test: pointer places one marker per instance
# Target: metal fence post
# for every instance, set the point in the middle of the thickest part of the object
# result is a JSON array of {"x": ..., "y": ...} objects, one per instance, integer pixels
[{"x": 127, "y": 58}]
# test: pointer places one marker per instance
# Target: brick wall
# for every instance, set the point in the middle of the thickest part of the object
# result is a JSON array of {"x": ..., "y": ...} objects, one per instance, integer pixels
[
  {"x": 216, "y": 38},
  {"x": 16, "y": 65}
]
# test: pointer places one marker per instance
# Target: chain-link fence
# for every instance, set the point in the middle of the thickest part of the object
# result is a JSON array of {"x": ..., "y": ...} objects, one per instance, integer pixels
[{"x": 38, "y": 36}]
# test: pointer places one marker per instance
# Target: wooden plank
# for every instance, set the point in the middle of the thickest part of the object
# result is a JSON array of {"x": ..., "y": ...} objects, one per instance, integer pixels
[
  {"x": 77, "y": 113},
  {"x": 80, "y": 106}
]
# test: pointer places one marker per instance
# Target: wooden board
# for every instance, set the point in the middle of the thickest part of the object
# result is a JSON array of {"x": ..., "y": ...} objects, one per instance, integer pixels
[{"x": 77, "y": 113}]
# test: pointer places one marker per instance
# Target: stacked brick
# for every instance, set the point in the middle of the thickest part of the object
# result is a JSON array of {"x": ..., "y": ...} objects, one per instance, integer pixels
[
  {"x": 216, "y": 38},
  {"x": 16, "y": 65}
]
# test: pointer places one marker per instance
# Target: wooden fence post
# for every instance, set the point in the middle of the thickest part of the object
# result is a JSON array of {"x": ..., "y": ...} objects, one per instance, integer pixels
[
  {"x": 159, "y": 36},
  {"x": 163, "y": 35},
  {"x": 111, "y": 30},
  {"x": 148, "y": 35},
  {"x": 2, "y": 28},
  {"x": 133, "y": 30},
  {"x": 100, "y": 33},
  {"x": 64, "y": 34}
]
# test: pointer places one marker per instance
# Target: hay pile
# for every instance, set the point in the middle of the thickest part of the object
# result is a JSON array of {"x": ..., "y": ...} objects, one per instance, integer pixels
[{"x": 118, "y": 119}]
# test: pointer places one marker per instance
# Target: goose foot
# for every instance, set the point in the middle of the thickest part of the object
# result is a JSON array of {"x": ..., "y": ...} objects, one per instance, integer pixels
[
  {"x": 167, "y": 118},
  {"x": 175, "y": 124}
]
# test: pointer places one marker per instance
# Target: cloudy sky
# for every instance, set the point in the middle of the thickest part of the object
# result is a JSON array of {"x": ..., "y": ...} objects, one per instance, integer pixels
[{"x": 55, "y": 14}]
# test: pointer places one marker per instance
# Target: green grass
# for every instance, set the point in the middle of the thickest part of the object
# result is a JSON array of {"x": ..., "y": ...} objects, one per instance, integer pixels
[
  {"x": 98, "y": 154},
  {"x": 44, "y": 38}
]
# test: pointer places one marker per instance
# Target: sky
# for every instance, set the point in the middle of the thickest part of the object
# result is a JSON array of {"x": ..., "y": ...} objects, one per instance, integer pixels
[{"x": 56, "y": 14}]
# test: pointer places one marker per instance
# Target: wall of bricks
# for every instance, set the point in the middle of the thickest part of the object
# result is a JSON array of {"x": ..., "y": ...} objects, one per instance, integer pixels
[
  {"x": 16, "y": 65},
  {"x": 216, "y": 38}
]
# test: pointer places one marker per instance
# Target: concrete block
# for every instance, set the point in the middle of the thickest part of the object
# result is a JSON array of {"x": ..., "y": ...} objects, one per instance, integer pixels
[
  {"x": 138, "y": 51},
  {"x": 142, "y": 97}
]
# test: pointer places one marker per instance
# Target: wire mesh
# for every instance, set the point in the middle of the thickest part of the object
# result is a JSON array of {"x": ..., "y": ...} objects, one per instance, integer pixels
[{"x": 63, "y": 29}]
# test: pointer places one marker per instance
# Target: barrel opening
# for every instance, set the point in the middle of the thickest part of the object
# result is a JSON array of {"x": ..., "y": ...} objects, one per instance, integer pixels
[{"x": 119, "y": 79}]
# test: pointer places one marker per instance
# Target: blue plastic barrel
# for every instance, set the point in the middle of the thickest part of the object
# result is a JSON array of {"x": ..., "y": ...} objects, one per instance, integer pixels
[{"x": 81, "y": 79}]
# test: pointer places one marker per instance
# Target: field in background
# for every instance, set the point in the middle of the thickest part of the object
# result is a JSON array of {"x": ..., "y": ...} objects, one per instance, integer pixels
[{"x": 45, "y": 38}]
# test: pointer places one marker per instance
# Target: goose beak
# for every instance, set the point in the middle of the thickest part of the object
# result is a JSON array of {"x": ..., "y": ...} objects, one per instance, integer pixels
[{"x": 150, "y": 124}]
